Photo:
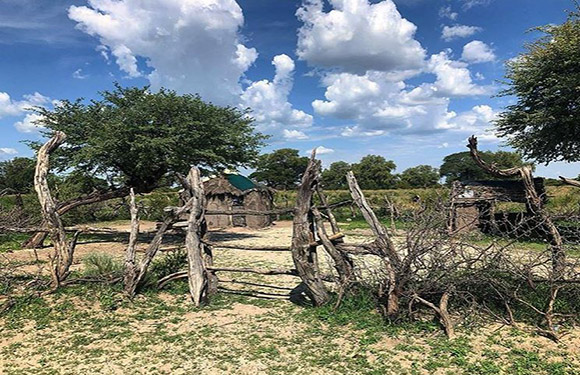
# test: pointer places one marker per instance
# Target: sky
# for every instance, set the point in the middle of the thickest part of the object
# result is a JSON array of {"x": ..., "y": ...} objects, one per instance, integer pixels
[{"x": 406, "y": 79}]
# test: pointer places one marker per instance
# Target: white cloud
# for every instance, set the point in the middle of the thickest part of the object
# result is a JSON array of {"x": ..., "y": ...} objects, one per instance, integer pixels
[
  {"x": 192, "y": 46},
  {"x": 78, "y": 74},
  {"x": 477, "y": 52},
  {"x": 458, "y": 31},
  {"x": 447, "y": 12},
  {"x": 28, "y": 124},
  {"x": 294, "y": 134},
  {"x": 10, "y": 107},
  {"x": 320, "y": 150},
  {"x": 5, "y": 151},
  {"x": 453, "y": 77},
  {"x": 468, "y": 4},
  {"x": 269, "y": 102},
  {"x": 357, "y": 36}
]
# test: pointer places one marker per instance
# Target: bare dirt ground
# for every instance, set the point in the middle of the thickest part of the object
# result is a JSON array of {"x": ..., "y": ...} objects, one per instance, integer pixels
[{"x": 91, "y": 329}]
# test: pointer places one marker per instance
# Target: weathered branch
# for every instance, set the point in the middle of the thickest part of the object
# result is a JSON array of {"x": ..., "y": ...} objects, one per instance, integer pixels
[
  {"x": 441, "y": 311},
  {"x": 570, "y": 182},
  {"x": 303, "y": 254},
  {"x": 130, "y": 270}
]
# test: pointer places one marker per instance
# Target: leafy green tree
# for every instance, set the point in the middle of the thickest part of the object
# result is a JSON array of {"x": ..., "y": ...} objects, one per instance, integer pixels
[
  {"x": 17, "y": 175},
  {"x": 544, "y": 123},
  {"x": 281, "y": 169},
  {"x": 374, "y": 172},
  {"x": 334, "y": 177},
  {"x": 134, "y": 138},
  {"x": 461, "y": 167},
  {"x": 421, "y": 176}
]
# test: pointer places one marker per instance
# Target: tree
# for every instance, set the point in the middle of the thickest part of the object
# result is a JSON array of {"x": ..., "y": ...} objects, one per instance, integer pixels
[
  {"x": 281, "y": 169},
  {"x": 134, "y": 138},
  {"x": 421, "y": 176},
  {"x": 17, "y": 175},
  {"x": 544, "y": 122},
  {"x": 374, "y": 172},
  {"x": 334, "y": 177},
  {"x": 461, "y": 167}
]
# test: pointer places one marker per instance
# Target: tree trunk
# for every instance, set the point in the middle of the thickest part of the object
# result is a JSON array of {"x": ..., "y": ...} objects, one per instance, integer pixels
[
  {"x": 303, "y": 254},
  {"x": 62, "y": 257}
]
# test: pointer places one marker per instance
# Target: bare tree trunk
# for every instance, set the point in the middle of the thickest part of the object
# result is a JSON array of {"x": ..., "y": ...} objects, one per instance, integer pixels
[
  {"x": 62, "y": 257},
  {"x": 303, "y": 254},
  {"x": 387, "y": 248},
  {"x": 535, "y": 205},
  {"x": 570, "y": 182},
  {"x": 196, "y": 271},
  {"x": 130, "y": 274},
  {"x": 37, "y": 239}
]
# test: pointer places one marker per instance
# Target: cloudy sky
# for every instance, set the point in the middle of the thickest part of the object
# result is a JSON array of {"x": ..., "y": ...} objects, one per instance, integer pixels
[{"x": 406, "y": 79}]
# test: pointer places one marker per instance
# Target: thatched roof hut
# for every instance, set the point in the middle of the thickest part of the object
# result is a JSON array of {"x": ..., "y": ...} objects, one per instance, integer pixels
[{"x": 233, "y": 192}]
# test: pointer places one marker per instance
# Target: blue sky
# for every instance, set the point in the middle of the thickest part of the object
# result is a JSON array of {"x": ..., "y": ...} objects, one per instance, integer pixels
[{"x": 409, "y": 79}]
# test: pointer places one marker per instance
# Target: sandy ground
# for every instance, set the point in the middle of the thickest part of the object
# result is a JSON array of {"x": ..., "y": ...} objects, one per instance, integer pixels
[{"x": 164, "y": 334}]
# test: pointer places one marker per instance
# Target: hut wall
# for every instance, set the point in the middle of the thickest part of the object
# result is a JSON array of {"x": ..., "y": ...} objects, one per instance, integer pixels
[
  {"x": 219, "y": 202},
  {"x": 256, "y": 200}
]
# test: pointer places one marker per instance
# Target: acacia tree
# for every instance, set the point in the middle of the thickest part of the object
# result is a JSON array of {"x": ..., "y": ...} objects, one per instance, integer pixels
[
  {"x": 375, "y": 172},
  {"x": 334, "y": 177},
  {"x": 135, "y": 138},
  {"x": 281, "y": 169},
  {"x": 421, "y": 176},
  {"x": 544, "y": 122}
]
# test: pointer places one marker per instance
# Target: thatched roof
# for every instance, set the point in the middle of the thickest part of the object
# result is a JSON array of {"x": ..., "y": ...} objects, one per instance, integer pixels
[
  {"x": 503, "y": 191},
  {"x": 232, "y": 184}
]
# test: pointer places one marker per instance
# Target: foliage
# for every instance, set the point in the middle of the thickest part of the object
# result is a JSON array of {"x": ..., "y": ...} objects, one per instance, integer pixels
[
  {"x": 461, "y": 167},
  {"x": 545, "y": 79},
  {"x": 281, "y": 169},
  {"x": 17, "y": 175},
  {"x": 136, "y": 137},
  {"x": 101, "y": 265},
  {"x": 422, "y": 176},
  {"x": 375, "y": 172},
  {"x": 334, "y": 177}
]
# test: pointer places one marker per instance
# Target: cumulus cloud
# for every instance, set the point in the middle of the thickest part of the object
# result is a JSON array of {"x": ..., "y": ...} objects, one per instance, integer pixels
[
  {"x": 477, "y": 52},
  {"x": 357, "y": 36},
  {"x": 29, "y": 124},
  {"x": 269, "y": 102},
  {"x": 190, "y": 46},
  {"x": 10, "y": 107},
  {"x": 453, "y": 77},
  {"x": 294, "y": 134},
  {"x": 458, "y": 31}
]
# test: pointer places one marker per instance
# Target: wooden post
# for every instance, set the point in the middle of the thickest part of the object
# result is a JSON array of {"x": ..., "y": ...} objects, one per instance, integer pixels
[
  {"x": 197, "y": 255},
  {"x": 534, "y": 203},
  {"x": 383, "y": 242},
  {"x": 62, "y": 257},
  {"x": 303, "y": 254},
  {"x": 130, "y": 272}
]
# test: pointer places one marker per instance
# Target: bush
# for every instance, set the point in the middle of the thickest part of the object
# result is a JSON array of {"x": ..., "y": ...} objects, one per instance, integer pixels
[{"x": 101, "y": 265}]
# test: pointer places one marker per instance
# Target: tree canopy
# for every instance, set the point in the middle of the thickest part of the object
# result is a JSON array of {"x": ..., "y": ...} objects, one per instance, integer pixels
[
  {"x": 421, "y": 176},
  {"x": 334, "y": 177},
  {"x": 17, "y": 175},
  {"x": 544, "y": 123},
  {"x": 375, "y": 172},
  {"x": 461, "y": 166},
  {"x": 135, "y": 137},
  {"x": 281, "y": 169}
]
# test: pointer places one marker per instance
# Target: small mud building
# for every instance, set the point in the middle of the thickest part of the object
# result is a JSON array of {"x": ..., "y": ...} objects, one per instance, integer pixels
[
  {"x": 234, "y": 192},
  {"x": 474, "y": 205}
]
